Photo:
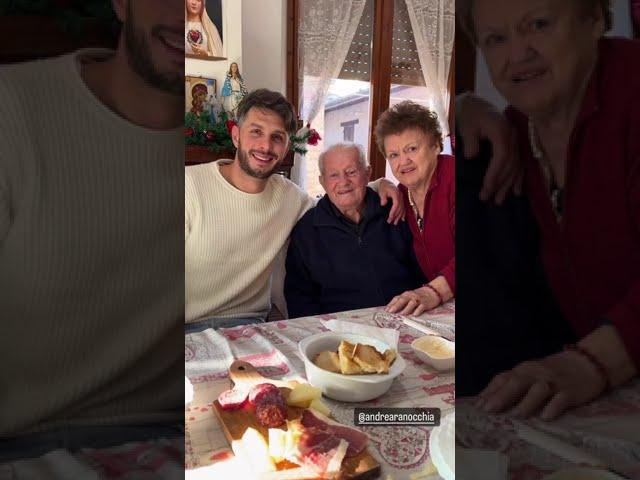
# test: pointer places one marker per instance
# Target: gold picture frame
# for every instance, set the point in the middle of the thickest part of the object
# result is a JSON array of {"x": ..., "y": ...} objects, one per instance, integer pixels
[{"x": 202, "y": 88}]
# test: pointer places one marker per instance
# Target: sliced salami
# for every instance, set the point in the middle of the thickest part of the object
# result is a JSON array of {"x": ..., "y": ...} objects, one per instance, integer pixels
[
  {"x": 265, "y": 393},
  {"x": 271, "y": 414},
  {"x": 233, "y": 399}
]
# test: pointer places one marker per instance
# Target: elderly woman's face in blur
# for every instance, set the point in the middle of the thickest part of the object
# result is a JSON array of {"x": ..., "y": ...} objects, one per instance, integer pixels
[
  {"x": 538, "y": 51},
  {"x": 411, "y": 155}
]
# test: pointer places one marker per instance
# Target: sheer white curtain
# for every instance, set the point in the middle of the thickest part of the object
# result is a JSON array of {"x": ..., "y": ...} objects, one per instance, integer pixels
[
  {"x": 325, "y": 33},
  {"x": 433, "y": 24}
]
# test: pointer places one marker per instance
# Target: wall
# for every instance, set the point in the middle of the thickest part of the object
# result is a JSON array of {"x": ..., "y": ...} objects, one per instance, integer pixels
[
  {"x": 264, "y": 40},
  {"x": 621, "y": 27}
]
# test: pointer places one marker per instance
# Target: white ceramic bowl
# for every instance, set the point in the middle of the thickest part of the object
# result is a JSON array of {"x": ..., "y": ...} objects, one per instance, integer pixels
[
  {"x": 442, "y": 441},
  {"x": 346, "y": 388},
  {"x": 438, "y": 362}
]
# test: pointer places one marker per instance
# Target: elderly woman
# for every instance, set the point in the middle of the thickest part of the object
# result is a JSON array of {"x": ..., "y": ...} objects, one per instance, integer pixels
[
  {"x": 343, "y": 253},
  {"x": 201, "y": 35},
  {"x": 575, "y": 110},
  {"x": 409, "y": 137}
]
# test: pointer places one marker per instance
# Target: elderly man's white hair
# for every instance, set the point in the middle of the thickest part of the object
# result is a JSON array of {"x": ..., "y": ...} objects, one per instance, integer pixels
[{"x": 362, "y": 158}]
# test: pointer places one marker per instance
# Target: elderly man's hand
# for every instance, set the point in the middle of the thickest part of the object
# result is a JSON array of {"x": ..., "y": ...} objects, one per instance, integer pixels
[
  {"x": 550, "y": 385},
  {"x": 477, "y": 119},
  {"x": 413, "y": 302},
  {"x": 388, "y": 191}
]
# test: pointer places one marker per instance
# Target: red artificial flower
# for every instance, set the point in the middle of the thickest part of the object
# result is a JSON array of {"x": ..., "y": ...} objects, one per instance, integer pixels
[
  {"x": 209, "y": 136},
  {"x": 230, "y": 125},
  {"x": 188, "y": 132},
  {"x": 314, "y": 137}
]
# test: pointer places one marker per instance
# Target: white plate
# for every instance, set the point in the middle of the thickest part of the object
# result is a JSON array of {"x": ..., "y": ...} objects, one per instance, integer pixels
[{"x": 442, "y": 447}]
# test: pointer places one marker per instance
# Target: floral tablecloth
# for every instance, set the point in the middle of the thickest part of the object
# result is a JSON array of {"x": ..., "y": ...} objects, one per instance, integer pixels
[
  {"x": 608, "y": 428},
  {"x": 273, "y": 349}
]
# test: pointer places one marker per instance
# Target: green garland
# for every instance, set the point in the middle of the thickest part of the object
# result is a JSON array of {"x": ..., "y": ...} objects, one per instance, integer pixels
[{"x": 200, "y": 130}]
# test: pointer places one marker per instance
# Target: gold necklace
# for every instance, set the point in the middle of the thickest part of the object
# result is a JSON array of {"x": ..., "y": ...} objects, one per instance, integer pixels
[
  {"x": 413, "y": 205},
  {"x": 556, "y": 192}
]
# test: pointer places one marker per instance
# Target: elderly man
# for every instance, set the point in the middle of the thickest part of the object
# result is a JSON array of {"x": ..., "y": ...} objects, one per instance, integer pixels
[{"x": 343, "y": 254}]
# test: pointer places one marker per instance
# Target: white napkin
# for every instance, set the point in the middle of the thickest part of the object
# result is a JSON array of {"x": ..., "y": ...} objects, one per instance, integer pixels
[
  {"x": 60, "y": 464},
  {"x": 558, "y": 446},
  {"x": 386, "y": 335},
  {"x": 188, "y": 391},
  {"x": 470, "y": 461}
]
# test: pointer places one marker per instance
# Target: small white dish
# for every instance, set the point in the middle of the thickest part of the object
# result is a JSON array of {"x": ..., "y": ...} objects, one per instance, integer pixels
[
  {"x": 346, "y": 388},
  {"x": 438, "y": 352},
  {"x": 442, "y": 442}
]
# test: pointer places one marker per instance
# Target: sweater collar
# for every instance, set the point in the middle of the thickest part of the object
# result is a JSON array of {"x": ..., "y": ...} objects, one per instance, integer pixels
[{"x": 327, "y": 214}]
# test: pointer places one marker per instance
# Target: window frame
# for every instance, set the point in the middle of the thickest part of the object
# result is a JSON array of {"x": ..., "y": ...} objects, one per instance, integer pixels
[{"x": 380, "y": 70}]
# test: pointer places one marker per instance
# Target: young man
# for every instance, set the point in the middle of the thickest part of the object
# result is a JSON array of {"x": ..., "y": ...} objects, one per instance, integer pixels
[
  {"x": 91, "y": 278},
  {"x": 238, "y": 217}
]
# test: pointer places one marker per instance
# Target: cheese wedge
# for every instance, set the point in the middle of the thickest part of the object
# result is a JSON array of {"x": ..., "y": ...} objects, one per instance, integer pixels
[
  {"x": 302, "y": 395},
  {"x": 257, "y": 449},
  {"x": 318, "y": 406}
]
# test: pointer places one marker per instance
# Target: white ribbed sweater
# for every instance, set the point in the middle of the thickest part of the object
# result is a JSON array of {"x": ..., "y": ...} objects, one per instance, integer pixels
[
  {"x": 232, "y": 241},
  {"x": 91, "y": 270}
]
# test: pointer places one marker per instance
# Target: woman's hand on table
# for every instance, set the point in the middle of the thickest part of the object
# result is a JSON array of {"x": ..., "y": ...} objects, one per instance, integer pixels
[
  {"x": 477, "y": 119},
  {"x": 550, "y": 386},
  {"x": 413, "y": 302}
]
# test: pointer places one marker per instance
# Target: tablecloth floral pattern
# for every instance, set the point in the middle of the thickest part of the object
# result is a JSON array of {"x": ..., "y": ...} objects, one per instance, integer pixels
[
  {"x": 273, "y": 349},
  {"x": 608, "y": 428}
]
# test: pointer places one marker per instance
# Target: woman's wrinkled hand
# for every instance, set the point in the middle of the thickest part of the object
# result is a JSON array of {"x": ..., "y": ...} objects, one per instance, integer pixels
[
  {"x": 477, "y": 119},
  {"x": 388, "y": 191},
  {"x": 413, "y": 302},
  {"x": 550, "y": 386}
]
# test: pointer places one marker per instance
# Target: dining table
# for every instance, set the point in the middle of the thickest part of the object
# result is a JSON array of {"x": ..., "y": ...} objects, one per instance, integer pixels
[
  {"x": 604, "y": 432},
  {"x": 272, "y": 347},
  {"x": 607, "y": 428}
]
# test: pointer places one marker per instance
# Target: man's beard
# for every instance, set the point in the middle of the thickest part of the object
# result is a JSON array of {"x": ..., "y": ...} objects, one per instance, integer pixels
[
  {"x": 141, "y": 60},
  {"x": 243, "y": 157}
]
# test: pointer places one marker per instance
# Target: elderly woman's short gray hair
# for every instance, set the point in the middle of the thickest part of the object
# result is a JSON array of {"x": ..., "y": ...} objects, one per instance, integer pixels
[
  {"x": 464, "y": 14},
  {"x": 362, "y": 158}
]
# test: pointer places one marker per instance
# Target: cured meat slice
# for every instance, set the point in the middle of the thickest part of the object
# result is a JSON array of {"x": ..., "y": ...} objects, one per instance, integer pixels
[
  {"x": 271, "y": 414},
  {"x": 322, "y": 452},
  {"x": 233, "y": 399},
  {"x": 265, "y": 393},
  {"x": 316, "y": 421}
]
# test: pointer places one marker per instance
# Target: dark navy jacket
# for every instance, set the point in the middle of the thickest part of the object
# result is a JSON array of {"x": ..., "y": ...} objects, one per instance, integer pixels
[{"x": 331, "y": 267}]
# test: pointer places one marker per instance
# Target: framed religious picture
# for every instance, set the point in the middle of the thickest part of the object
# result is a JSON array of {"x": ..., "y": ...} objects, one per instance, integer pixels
[
  {"x": 203, "y": 24},
  {"x": 200, "y": 94}
]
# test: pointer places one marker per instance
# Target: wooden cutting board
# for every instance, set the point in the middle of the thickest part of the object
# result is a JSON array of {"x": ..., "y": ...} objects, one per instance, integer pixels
[{"x": 235, "y": 422}]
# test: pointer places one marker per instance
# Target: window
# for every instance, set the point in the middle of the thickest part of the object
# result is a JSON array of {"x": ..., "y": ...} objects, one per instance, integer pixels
[
  {"x": 348, "y": 129},
  {"x": 381, "y": 68}
]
